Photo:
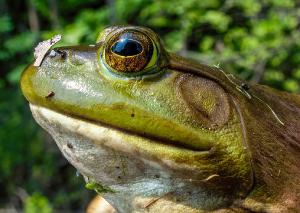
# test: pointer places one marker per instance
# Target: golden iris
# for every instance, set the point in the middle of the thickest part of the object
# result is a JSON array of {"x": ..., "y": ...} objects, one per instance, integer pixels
[{"x": 129, "y": 52}]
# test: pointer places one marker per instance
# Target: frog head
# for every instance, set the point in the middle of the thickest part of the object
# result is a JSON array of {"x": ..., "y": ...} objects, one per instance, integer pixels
[{"x": 143, "y": 124}]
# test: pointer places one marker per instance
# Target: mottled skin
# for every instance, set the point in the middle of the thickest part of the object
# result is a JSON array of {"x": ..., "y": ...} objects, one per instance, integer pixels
[{"x": 176, "y": 136}]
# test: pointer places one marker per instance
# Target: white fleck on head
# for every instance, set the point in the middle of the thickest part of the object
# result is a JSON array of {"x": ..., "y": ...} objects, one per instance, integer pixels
[{"x": 42, "y": 48}]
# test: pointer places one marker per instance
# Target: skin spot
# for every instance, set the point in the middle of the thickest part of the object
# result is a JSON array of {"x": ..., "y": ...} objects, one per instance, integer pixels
[
  {"x": 50, "y": 95},
  {"x": 70, "y": 146},
  {"x": 245, "y": 86}
]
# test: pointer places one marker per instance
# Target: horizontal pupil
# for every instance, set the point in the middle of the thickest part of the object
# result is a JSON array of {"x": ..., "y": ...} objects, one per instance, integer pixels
[{"x": 127, "y": 47}]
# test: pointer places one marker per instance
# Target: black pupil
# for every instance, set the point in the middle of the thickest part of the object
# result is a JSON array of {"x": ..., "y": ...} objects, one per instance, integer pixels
[{"x": 127, "y": 47}]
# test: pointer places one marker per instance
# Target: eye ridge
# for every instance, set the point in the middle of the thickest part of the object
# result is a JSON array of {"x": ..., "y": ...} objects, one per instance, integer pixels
[{"x": 127, "y": 47}]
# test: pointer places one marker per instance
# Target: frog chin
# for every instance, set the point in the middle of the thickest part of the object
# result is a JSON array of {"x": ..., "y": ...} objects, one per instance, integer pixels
[{"x": 102, "y": 155}]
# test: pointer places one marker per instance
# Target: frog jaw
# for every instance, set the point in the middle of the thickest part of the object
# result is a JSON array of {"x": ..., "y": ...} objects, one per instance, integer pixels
[
  {"x": 165, "y": 155},
  {"x": 127, "y": 171}
]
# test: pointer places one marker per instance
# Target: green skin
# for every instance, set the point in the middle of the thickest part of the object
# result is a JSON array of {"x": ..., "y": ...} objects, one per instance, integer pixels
[{"x": 205, "y": 128}]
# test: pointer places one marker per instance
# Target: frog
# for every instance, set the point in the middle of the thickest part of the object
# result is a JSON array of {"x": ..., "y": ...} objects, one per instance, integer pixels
[{"x": 152, "y": 131}]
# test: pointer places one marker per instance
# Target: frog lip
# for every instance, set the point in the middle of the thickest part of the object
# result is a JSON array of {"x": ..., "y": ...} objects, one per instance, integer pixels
[
  {"x": 153, "y": 139},
  {"x": 110, "y": 137},
  {"x": 159, "y": 140}
]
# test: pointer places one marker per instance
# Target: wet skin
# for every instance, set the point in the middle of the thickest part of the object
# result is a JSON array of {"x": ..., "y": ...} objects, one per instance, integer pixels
[{"x": 161, "y": 133}]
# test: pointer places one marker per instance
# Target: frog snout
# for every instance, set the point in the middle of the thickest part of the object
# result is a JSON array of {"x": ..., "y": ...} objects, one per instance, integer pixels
[{"x": 76, "y": 56}]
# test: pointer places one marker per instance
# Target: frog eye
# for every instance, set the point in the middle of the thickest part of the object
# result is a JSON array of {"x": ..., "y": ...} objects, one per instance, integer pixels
[{"x": 130, "y": 52}]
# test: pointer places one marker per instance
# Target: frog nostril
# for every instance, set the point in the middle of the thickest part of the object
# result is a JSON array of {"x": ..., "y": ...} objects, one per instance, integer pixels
[
  {"x": 57, "y": 53},
  {"x": 52, "y": 54}
]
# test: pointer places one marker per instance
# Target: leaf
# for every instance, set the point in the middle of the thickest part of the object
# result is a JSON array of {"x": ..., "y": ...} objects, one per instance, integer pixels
[
  {"x": 218, "y": 19},
  {"x": 37, "y": 203},
  {"x": 6, "y": 24},
  {"x": 20, "y": 43},
  {"x": 291, "y": 85}
]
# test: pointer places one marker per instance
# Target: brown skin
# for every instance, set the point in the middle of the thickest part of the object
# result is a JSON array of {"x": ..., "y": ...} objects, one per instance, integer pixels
[{"x": 274, "y": 148}]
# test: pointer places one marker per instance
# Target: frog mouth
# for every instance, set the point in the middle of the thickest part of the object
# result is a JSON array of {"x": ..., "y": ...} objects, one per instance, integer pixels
[{"x": 121, "y": 141}]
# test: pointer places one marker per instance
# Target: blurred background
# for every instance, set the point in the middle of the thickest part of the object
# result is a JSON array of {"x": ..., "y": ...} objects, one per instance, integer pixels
[{"x": 259, "y": 40}]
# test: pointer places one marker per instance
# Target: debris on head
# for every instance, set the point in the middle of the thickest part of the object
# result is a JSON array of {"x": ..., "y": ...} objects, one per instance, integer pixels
[
  {"x": 42, "y": 48},
  {"x": 50, "y": 94}
]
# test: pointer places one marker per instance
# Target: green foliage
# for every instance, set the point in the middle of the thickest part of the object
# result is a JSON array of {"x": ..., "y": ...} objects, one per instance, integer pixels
[
  {"x": 258, "y": 40},
  {"x": 98, "y": 188},
  {"x": 6, "y": 24},
  {"x": 37, "y": 204}
]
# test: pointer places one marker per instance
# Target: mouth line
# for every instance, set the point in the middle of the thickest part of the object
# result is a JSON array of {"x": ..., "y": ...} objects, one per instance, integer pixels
[
  {"x": 159, "y": 140},
  {"x": 154, "y": 139}
]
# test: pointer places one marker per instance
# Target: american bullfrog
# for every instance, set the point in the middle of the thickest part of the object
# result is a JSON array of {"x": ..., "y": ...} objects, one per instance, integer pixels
[{"x": 155, "y": 132}]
